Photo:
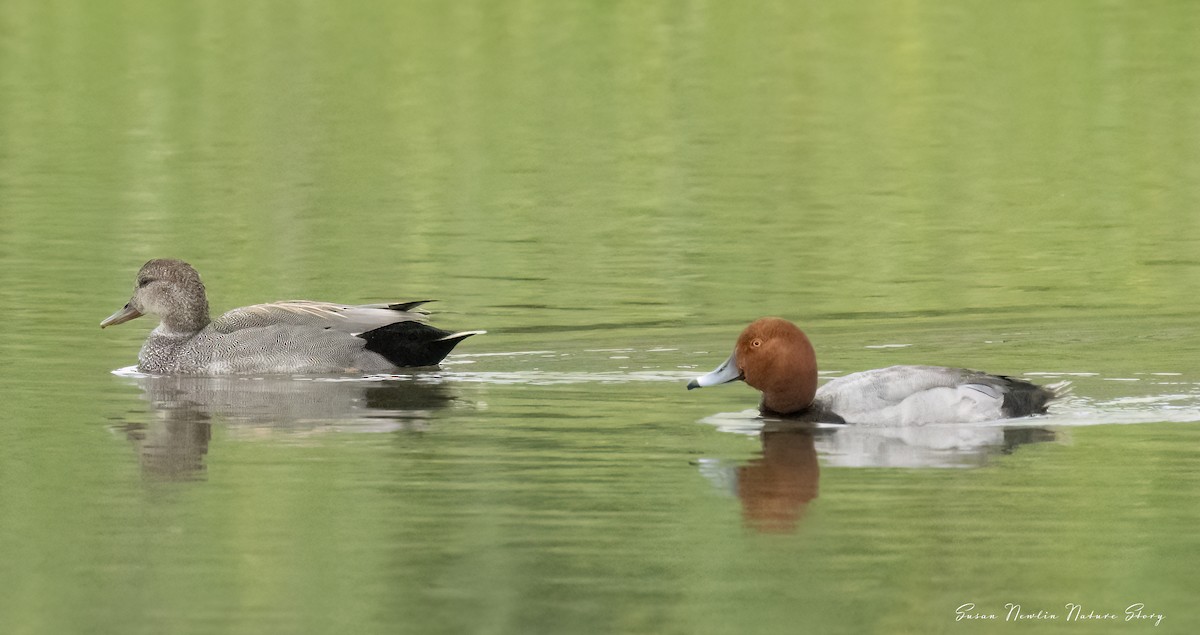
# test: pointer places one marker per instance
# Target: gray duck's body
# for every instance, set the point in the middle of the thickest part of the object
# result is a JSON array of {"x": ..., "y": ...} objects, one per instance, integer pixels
[{"x": 294, "y": 336}]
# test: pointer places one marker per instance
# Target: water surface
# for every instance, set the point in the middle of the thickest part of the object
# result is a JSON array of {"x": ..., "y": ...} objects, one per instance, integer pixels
[{"x": 612, "y": 191}]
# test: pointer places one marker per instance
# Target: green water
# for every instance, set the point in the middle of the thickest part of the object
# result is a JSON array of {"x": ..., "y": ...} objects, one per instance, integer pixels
[{"x": 612, "y": 190}]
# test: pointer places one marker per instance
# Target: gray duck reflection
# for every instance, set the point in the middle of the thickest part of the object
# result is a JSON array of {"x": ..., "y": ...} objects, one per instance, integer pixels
[
  {"x": 776, "y": 488},
  {"x": 171, "y": 444},
  {"x": 942, "y": 446}
]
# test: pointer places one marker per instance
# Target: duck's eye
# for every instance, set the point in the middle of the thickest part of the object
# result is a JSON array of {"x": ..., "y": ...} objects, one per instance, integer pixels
[
  {"x": 144, "y": 281},
  {"x": 756, "y": 342}
]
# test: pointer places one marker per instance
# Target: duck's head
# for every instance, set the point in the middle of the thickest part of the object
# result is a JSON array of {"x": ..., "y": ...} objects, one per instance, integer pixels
[
  {"x": 170, "y": 289},
  {"x": 774, "y": 356}
]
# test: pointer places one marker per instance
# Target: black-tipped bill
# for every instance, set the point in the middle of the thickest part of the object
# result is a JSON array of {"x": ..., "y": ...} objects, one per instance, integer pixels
[{"x": 724, "y": 374}]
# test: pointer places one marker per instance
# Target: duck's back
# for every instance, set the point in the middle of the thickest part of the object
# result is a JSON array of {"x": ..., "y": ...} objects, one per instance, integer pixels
[
  {"x": 353, "y": 319},
  {"x": 907, "y": 395}
]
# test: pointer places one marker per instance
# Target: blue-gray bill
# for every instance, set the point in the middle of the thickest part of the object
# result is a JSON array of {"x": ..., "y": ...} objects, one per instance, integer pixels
[{"x": 725, "y": 373}]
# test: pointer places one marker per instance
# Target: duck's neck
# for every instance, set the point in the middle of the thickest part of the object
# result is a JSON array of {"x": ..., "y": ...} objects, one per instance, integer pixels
[
  {"x": 188, "y": 319},
  {"x": 791, "y": 388}
]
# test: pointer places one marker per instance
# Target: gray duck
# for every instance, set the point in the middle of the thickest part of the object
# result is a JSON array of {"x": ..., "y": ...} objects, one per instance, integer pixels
[{"x": 293, "y": 336}]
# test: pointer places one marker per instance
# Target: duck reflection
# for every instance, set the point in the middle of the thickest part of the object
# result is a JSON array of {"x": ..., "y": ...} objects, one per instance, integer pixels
[
  {"x": 776, "y": 488},
  {"x": 947, "y": 445},
  {"x": 171, "y": 450},
  {"x": 172, "y": 443}
]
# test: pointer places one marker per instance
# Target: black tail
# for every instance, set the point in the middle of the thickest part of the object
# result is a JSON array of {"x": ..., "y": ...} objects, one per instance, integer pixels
[
  {"x": 413, "y": 343},
  {"x": 1024, "y": 398}
]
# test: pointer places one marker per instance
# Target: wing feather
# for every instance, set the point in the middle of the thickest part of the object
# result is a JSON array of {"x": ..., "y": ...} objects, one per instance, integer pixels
[{"x": 353, "y": 319}]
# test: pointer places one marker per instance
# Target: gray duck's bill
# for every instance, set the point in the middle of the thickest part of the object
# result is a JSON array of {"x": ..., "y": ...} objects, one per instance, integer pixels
[{"x": 124, "y": 315}]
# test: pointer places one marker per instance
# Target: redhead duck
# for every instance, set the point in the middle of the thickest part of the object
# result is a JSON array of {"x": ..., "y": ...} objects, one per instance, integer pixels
[
  {"x": 775, "y": 356},
  {"x": 295, "y": 336}
]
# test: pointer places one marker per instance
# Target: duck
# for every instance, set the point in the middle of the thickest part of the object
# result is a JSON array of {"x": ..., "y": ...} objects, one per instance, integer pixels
[
  {"x": 293, "y": 336},
  {"x": 775, "y": 357}
]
